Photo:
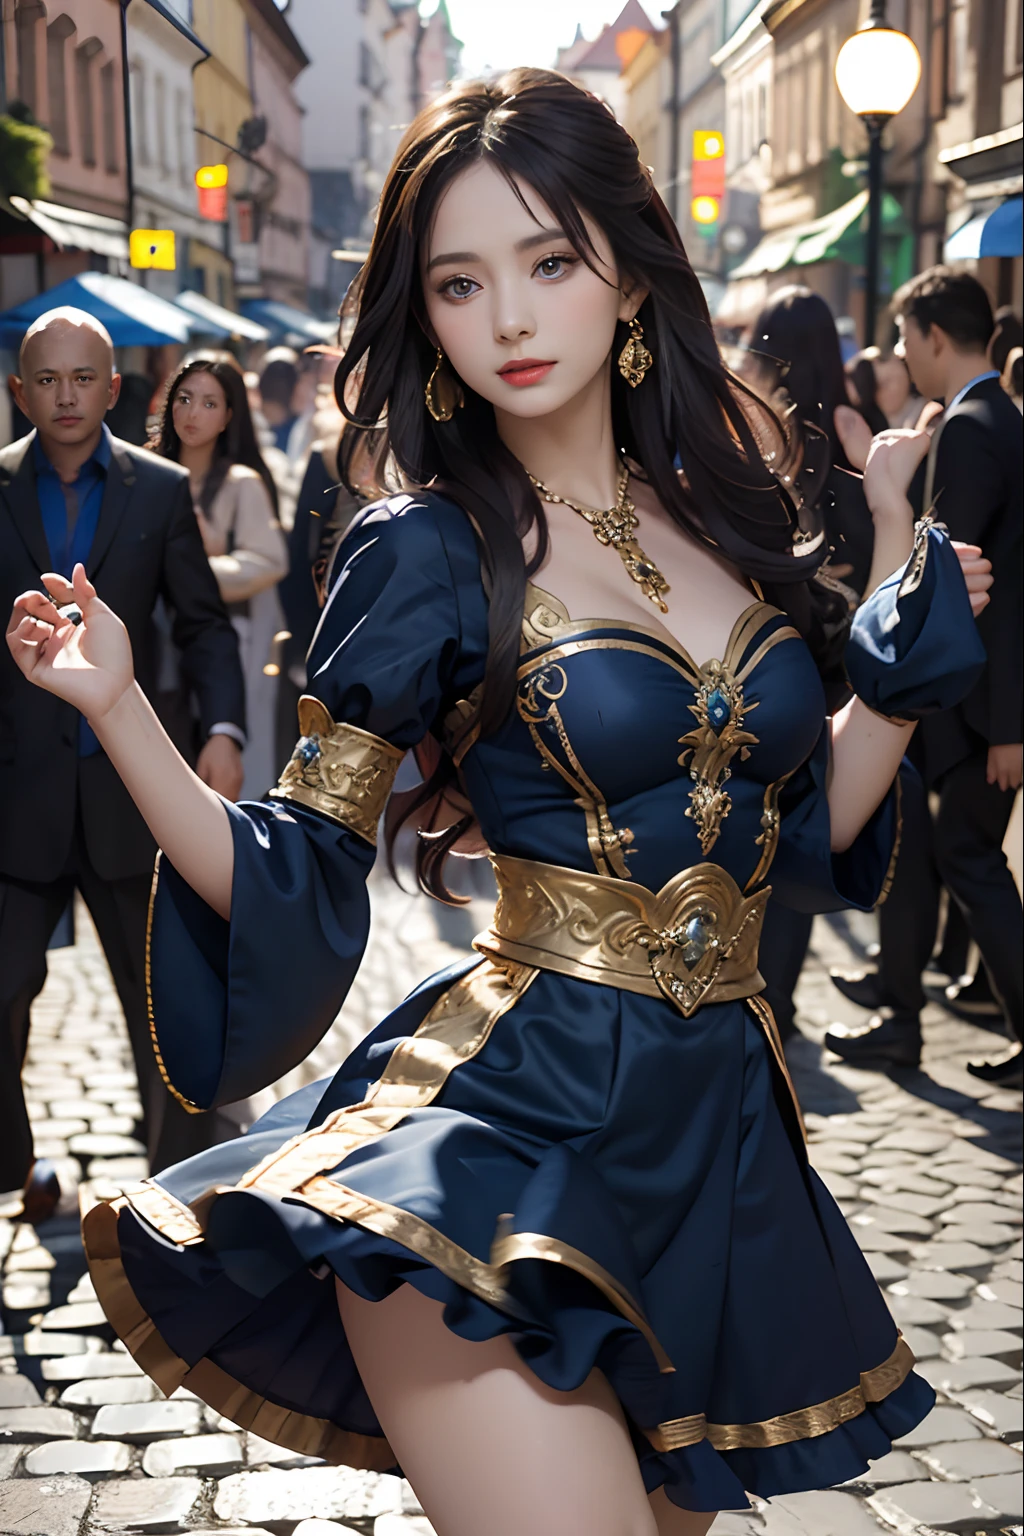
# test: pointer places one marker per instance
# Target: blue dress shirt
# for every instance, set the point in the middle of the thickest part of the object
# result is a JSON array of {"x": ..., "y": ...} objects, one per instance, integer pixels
[{"x": 71, "y": 512}]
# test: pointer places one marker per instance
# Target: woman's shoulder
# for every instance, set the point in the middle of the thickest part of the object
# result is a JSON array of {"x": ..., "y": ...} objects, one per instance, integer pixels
[
  {"x": 239, "y": 474},
  {"x": 416, "y": 524}
]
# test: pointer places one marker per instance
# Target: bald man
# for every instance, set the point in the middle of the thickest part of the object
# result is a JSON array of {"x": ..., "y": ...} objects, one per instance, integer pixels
[{"x": 71, "y": 492}]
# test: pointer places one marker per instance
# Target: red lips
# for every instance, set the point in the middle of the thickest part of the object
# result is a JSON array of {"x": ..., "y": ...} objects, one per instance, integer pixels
[{"x": 525, "y": 370}]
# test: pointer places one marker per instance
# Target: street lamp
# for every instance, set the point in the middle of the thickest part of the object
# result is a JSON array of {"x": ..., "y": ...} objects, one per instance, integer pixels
[{"x": 877, "y": 71}]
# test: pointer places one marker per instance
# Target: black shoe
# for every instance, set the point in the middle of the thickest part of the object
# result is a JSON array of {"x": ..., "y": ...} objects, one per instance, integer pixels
[
  {"x": 972, "y": 999},
  {"x": 1008, "y": 1073},
  {"x": 42, "y": 1193},
  {"x": 860, "y": 987},
  {"x": 888, "y": 1039}
]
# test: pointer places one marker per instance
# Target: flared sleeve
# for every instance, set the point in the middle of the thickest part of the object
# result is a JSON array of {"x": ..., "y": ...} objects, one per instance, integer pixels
[
  {"x": 236, "y": 1004},
  {"x": 914, "y": 648}
]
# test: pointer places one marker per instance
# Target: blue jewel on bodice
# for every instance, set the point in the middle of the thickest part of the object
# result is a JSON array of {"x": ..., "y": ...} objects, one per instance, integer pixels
[
  {"x": 307, "y": 750},
  {"x": 718, "y": 709}
]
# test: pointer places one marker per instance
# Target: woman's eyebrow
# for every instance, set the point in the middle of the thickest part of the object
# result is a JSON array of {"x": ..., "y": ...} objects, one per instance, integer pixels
[{"x": 540, "y": 238}]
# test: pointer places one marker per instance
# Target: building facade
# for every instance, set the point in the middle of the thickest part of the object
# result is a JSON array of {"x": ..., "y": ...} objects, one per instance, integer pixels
[
  {"x": 163, "y": 52},
  {"x": 63, "y": 63},
  {"x": 373, "y": 65},
  {"x": 223, "y": 103},
  {"x": 284, "y": 210}
]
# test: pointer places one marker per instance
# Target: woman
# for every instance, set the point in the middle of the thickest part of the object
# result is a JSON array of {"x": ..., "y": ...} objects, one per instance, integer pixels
[
  {"x": 551, "y": 1242},
  {"x": 205, "y": 426},
  {"x": 794, "y": 361}
]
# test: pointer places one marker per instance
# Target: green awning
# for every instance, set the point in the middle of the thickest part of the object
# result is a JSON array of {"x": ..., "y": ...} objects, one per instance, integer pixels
[{"x": 835, "y": 236}]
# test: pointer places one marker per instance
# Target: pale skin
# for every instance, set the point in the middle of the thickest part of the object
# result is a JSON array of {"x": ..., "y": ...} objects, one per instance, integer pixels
[
  {"x": 486, "y": 1446},
  {"x": 65, "y": 387}
]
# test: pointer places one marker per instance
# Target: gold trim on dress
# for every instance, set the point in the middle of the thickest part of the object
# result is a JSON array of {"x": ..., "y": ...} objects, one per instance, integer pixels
[
  {"x": 693, "y": 942},
  {"x": 186, "y": 1104},
  {"x": 299, "y": 1432},
  {"x": 339, "y": 771},
  {"x": 537, "y": 697},
  {"x": 802, "y": 1424},
  {"x": 510, "y": 1247}
]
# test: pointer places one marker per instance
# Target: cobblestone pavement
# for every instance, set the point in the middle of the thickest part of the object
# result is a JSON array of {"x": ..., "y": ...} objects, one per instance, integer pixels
[{"x": 927, "y": 1169}]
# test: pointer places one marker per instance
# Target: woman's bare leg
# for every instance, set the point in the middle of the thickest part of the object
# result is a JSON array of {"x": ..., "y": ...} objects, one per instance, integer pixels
[{"x": 485, "y": 1444}]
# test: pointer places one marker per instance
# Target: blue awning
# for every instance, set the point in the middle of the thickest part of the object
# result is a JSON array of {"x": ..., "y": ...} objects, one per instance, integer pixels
[
  {"x": 1000, "y": 232},
  {"x": 214, "y": 320},
  {"x": 287, "y": 324},
  {"x": 133, "y": 316}
]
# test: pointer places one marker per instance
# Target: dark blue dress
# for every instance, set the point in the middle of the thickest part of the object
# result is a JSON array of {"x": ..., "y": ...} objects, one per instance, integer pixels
[{"x": 579, "y": 1167}]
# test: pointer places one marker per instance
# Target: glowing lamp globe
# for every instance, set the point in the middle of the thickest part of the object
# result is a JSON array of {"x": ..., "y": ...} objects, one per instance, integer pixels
[{"x": 877, "y": 71}]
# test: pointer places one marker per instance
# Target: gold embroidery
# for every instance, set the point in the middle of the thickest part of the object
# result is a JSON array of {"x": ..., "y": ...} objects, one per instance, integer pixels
[
  {"x": 186, "y": 1104},
  {"x": 339, "y": 771},
  {"x": 802, "y": 1424},
  {"x": 693, "y": 942},
  {"x": 719, "y": 708},
  {"x": 771, "y": 824},
  {"x": 510, "y": 1247},
  {"x": 455, "y": 1030},
  {"x": 711, "y": 746},
  {"x": 299, "y": 1432},
  {"x": 537, "y": 702},
  {"x": 483, "y": 1279},
  {"x": 761, "y": 1009}
]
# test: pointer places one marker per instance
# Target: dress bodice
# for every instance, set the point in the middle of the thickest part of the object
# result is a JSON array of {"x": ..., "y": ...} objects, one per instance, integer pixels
[{"x": 625, "y": 756}]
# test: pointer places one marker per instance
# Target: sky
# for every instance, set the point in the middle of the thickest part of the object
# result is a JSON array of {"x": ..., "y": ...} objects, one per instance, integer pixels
[{"x": 498, "y": 34}]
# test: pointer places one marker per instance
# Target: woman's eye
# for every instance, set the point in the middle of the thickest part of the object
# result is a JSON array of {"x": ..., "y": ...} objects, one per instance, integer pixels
[
  {"x": 554, "y": 266},
  {"x": 459, "y": 287}
]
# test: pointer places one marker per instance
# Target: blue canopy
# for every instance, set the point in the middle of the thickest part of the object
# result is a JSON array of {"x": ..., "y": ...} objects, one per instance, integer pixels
[
  {"x": 997, "y": 233},
  {"x": 286, "y": 323},
  {"x": 133, "y": 316}
]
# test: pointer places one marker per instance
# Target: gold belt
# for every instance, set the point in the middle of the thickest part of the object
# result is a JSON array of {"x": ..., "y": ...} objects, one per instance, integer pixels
[{"x": 693, "y": 942}]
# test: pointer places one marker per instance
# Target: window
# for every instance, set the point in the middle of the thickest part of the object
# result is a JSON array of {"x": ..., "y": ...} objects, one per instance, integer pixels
[
  {"x": 27, "y": 18},
  {"x": 957, "y": 61},
  {"x": 160, "y": 108},
  {"x": 364, "y": 132},
  {"x": 108, "y": 109},
  {"x": 181, "y": 133},
  {"x": 57, "y": 34},
  {"x": 140, "y": 107},
  {"x": 84, "y": 55}
]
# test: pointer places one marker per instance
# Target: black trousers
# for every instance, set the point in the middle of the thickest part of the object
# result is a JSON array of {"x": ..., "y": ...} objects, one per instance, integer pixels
[
  {"x": 29, "y": 911},
  {"x": 961, "y": 848}
]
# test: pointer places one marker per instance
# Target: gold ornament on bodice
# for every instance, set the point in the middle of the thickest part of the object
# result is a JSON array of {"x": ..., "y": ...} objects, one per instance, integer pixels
[{"x": 615, "y": 526}]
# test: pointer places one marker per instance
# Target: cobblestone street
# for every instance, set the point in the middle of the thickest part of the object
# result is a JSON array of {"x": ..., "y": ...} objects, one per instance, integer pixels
[{"x": 926, "y": 1168}]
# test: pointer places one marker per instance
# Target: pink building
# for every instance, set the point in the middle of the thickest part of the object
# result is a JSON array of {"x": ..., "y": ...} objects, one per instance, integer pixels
[
  {"x": 284, "y": 199},
  {"x": 63, "y": 61}
]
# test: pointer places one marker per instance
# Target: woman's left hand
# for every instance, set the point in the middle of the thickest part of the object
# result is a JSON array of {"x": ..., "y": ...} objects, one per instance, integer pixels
[
  {"x": 892, "y": 460},
  {"x": 977, "y": 574}
]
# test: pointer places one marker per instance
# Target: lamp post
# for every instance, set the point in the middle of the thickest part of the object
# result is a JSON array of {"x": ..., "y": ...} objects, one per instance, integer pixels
[{"x": 877, "y": 71}]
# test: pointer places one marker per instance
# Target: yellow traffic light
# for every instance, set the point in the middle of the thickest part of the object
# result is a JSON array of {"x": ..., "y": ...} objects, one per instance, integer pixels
[
  {"x": 152, "y": 248},
  {"x": 209, "y": 176},
  {"x": 704, "y": 210},
  {"x": 708, "y": 144}
]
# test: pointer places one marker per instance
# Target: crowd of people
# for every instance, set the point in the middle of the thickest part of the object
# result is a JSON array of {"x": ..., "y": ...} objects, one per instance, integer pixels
[{"x": 218, "y": 573}]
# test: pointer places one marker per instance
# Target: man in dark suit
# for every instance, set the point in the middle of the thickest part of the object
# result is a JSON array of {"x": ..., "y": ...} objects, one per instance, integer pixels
[
  {"x": 971, "y": 756},
  {"x": 71, "y": 492}
]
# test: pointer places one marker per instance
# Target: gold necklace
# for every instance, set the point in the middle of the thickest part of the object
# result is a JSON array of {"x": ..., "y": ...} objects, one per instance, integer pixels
[{"x": 615, "y": 526}]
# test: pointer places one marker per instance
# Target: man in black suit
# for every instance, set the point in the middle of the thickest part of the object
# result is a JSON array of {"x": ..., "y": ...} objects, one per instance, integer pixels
[
  {"x": 71, "y": 492},
  {"x": 971, "y": 756}
]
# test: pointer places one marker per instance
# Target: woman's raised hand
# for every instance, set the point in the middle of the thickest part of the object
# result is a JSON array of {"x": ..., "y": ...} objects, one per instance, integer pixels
[{"x": 88, "y": 664}]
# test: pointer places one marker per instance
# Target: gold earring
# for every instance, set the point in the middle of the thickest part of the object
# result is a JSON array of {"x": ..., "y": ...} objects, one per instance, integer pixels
[
  {"x": 635, "y": 359},
  {"x": 443, "y": 393}
]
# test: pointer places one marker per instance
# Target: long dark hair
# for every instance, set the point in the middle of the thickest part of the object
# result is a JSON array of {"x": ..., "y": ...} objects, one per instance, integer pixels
[
  {"x": 860, "y": 371},
  {"x": 796, "y": 335},
  {"x": 236, "y": 444},
  {"x": 690, "y": 415}
]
